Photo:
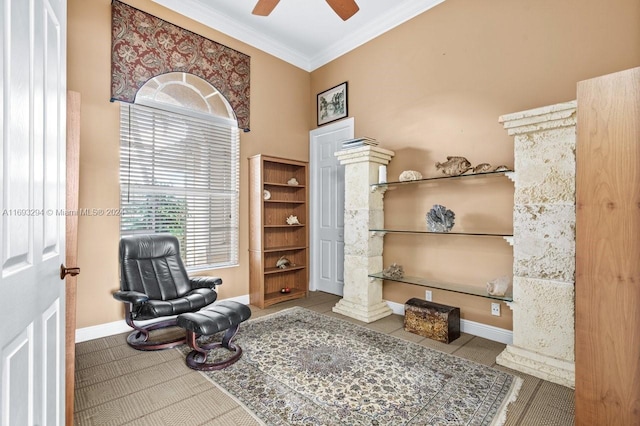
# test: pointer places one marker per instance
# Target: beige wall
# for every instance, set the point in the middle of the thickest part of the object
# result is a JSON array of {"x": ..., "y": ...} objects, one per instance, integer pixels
[
  {"x": 280, "y": 113},
  {"x": 436, "y": 85},
  {"x": 430, "y": 88}
]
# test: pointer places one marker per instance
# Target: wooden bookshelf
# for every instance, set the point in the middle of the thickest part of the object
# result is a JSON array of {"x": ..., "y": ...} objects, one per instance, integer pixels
[{"x": 270, "y": 236}]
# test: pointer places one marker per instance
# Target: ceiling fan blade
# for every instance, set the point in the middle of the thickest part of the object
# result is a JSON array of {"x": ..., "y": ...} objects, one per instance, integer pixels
[
  {"x": 264, "y": 7},
  {"x": 344, "y": 8}
]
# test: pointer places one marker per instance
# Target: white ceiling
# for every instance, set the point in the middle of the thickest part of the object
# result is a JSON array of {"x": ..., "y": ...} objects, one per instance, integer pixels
[{"x": 305, "y": 33}]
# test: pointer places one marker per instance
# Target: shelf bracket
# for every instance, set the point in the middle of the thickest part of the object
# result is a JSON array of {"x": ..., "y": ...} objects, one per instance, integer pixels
[
  {"x": 379, "y": 188},
  {"x": 509, "y": 240},
  {"x": 511, "y": 176}
]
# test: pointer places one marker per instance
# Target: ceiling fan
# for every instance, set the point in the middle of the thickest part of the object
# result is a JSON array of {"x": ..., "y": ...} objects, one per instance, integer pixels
[{"x": 344, "y": 8}]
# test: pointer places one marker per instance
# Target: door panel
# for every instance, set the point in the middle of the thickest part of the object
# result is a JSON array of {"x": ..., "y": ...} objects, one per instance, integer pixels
[
  {"x": 17, "y": 253},
  {"x": 17, "y": 392},
  {"x": 54, "y": 100},
  {"x": 51, "y": 374},
  {"x": 32, "y": 117},
  {"x": 327, "y": 209}
]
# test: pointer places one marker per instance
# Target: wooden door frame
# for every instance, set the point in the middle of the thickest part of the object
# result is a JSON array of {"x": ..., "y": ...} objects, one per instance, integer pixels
[{"x": 71, "y": 255}]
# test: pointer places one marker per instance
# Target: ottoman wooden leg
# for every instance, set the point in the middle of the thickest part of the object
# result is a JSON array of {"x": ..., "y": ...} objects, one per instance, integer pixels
[{"x": 197, "y": 358}]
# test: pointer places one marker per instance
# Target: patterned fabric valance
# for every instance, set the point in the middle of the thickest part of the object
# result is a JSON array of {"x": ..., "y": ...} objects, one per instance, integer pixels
[{"x": 143, "y": 46}]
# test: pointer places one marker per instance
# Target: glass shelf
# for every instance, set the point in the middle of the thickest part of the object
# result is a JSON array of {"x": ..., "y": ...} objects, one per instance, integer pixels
[
  {"x": 474, "y": 234},
  {"x": 508, "y": 173},
  {"x": 457, "y": 288}
]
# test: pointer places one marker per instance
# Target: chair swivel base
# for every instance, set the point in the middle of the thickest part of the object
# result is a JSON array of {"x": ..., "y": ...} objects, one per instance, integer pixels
[
  {"x": 139, "y": 338},
  {"x": 224, "y": 316},
  {"x": 197, "y": 358}
]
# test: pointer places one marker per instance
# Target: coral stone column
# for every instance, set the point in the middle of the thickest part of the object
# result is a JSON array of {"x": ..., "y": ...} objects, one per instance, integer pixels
[
  {"x": 363, "y": 210},
  {"x": 544, "y": 220}
]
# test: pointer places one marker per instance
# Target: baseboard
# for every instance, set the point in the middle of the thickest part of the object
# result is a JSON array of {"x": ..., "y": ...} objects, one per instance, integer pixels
[
  {"x": 470, "y": 327},
  {"x": 117, "y": 327}
]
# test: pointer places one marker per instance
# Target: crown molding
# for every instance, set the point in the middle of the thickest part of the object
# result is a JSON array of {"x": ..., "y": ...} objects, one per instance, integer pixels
[
  {"x": 237, "y": 30},
  {"x": 402, "y": 14},
  {"x": 246, "y": 34}
]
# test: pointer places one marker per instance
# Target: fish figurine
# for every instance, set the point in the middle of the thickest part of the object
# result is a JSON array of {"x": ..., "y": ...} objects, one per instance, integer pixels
[
  {"x": 454, "y": 166},
  {"x": 482, "y": 168}
]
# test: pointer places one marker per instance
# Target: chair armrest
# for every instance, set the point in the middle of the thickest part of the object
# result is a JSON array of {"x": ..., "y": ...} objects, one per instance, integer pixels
[
  {"x": 133, "y": 297},
  {"x": 205, "y": 282}
]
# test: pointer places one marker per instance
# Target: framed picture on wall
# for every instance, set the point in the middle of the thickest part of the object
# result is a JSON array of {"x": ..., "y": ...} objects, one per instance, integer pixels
[{"x": 332, "y": 104}]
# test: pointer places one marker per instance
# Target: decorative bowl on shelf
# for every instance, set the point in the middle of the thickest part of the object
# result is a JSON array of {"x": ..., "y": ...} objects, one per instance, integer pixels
[{"x": 266, "y": 194}]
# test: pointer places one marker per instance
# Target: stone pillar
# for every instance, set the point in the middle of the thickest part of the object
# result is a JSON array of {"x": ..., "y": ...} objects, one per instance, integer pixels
[
  {"x": 363, "y": 210},
  {"x": 544, "y": 243}
]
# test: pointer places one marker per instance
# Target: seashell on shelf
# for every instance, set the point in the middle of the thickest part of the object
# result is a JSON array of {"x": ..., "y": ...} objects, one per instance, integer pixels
[
  {"x": 454, "y": 166},
  {"x": 409, "y": 175},
  {"x": 482, "y": 168},
  {"x": 440, "y": 219},
  {"x": 501, "y": 168},
  {"x": 283, "y": 263},
  {"x": 498, "y": 286},
  {"x": 394, "y": 271},
  {"x": 266, "y": 194},
  {"x": 293, "y": 220},
  {"x": 293, "y": 181}
]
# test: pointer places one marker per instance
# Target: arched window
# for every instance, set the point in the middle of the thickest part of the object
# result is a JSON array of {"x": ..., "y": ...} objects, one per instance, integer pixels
[{"x": 179, "y": 168}]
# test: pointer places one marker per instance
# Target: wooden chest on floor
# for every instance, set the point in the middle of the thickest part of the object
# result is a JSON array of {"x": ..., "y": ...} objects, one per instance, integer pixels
[{"x": 432, "y": 320}]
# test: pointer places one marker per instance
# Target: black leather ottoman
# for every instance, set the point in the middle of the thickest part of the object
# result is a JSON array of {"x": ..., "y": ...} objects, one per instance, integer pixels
[{"x": 225, "y": 315}]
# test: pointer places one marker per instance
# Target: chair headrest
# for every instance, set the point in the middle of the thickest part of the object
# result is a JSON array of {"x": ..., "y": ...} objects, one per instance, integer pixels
[{"x": 148, "y": 246}]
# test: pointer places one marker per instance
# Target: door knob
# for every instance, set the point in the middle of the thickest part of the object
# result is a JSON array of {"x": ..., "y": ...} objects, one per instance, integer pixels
[{"x": 64, "y": 271}]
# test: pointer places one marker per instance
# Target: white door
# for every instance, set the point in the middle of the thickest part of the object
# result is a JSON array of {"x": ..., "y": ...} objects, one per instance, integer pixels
[
  {"x": 327, "y": 206},
  {"x": 32, "y": 234}
]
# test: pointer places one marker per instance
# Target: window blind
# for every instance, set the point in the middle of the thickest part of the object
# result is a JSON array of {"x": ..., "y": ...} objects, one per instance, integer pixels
[{"x": 179, "y": 174}]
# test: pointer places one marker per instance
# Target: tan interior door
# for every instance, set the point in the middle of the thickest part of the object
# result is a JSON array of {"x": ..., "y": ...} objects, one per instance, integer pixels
[{"x": 608, "y": 250}]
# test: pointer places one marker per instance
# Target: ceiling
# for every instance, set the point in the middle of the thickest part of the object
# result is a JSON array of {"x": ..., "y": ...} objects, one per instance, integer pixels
[{"x": 305, "y": 33}]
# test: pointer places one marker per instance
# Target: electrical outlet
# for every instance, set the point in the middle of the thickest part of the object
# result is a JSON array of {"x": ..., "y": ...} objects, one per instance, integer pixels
[
  {"x": 495, "y": 309},
  {"x": 427, "y": 295}
]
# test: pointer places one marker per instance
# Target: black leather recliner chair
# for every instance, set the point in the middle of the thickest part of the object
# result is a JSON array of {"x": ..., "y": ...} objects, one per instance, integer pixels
[{"x": 154, "y": 284}]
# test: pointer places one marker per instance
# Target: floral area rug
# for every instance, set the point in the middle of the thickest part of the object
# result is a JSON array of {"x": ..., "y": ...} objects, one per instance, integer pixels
[{"x": 300, "y": 367}]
